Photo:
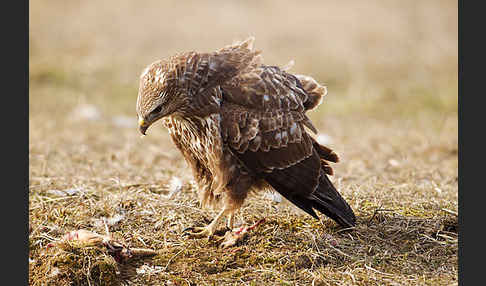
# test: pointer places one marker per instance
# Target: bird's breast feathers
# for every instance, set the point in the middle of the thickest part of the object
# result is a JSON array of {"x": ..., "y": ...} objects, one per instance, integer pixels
[{"x": 200, "y": 135}]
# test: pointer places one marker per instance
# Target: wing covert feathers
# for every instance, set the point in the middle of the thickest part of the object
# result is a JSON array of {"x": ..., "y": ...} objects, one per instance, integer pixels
[{"x": 264, "y": 123}]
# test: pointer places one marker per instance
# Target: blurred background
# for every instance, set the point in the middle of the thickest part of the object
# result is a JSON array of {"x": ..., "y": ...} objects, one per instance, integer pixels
[
  {"x": 391, "y": 68},
  {"x": 401, "y": 52}
]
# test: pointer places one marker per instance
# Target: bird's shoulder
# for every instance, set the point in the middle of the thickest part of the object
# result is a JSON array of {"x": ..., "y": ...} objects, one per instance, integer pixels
[{"x": 266, "y": 88}]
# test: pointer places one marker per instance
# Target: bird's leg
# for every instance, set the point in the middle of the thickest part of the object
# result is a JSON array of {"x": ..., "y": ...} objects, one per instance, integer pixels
[
  {"x": 231, "y": 220},
  {"x": 207, "y": 231}
]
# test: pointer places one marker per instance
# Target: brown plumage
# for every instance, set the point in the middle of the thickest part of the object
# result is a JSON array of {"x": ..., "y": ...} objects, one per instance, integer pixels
[{"x": 241, "y": 126}]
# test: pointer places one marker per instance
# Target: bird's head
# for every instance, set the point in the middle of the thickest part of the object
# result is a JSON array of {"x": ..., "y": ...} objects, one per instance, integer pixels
[{"x": 158, "y": 96}]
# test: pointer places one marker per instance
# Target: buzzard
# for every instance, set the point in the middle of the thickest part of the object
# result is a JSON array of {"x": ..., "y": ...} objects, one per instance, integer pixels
[{"x": 241, "y": 126}]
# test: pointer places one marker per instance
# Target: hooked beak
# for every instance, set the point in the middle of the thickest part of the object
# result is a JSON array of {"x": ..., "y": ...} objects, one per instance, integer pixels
[{"x": 142, "y": 126}]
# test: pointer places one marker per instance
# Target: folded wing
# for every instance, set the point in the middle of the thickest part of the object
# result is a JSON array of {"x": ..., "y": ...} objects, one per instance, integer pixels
[{"x": 264, "y": 124}]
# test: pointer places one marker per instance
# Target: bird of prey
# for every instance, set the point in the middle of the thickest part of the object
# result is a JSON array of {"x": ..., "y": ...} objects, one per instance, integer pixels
[{"x": 241, "y": 126}]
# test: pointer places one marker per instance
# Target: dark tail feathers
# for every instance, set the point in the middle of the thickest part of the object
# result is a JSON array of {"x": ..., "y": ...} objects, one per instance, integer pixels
[
  {"x": 328, "y": 201},
  {"x": 325, "y": 199}
]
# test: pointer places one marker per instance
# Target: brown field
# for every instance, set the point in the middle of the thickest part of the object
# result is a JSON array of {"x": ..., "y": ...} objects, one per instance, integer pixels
[{"x": 391, "y": 115}]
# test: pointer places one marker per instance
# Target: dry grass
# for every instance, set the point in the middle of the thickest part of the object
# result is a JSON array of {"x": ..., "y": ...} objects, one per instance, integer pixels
[{"x": 391, "y": 114}]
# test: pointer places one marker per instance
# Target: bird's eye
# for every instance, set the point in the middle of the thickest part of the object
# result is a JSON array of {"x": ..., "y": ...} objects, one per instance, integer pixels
[{"x": 157, "y": 109}]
